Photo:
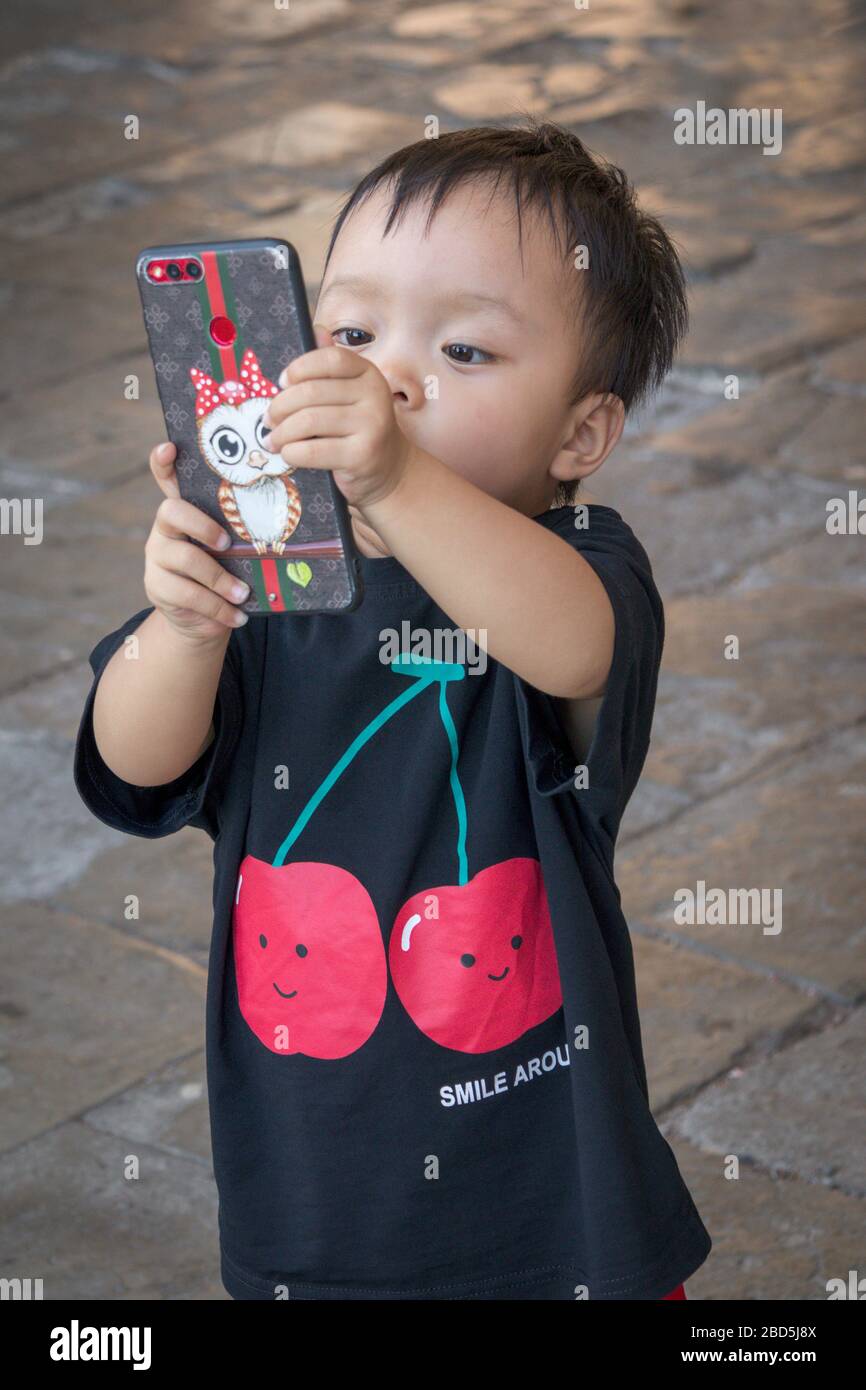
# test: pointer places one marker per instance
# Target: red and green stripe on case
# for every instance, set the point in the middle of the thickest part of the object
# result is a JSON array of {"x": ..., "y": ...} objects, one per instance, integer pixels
[{"x": 271, "y": 584}]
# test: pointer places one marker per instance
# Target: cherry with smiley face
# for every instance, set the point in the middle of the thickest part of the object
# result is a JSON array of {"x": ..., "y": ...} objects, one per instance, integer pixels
[
  {"x": 474, "y": 963},
  {"x": 309, "y": 958}
]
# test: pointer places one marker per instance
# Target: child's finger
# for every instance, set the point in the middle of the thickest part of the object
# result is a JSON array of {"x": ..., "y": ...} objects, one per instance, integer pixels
[
  {"x": 177, "y": 518},
  {"x": 306, "y": 396},
  {"x": 334, "y": 360},
  {"x": 169, "y": 589},
  {"x": 320, "y": 422},
  {"x": 162, "y": 467},
  {"x": 190, "y": 562},
  {"x": 329, "y": 453}
]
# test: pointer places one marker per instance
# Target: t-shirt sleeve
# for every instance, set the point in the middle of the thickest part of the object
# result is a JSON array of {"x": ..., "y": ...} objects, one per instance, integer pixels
[
  {"x": 621, "y": 733},
  {"x": 194, "y": 798}
]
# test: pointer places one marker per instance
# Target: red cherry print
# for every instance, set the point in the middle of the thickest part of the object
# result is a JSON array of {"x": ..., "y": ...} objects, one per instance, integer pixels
[
  {"x": 309, "y": 958},
  {"x": 475, "y": 964}
]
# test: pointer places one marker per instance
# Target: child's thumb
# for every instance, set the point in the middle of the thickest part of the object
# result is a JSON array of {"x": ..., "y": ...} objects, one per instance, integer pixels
[{"x": 163, "y": 470}]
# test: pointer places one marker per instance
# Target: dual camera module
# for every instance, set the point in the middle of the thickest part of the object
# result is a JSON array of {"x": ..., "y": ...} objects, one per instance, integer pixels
[{"x": 174, "y": 272}]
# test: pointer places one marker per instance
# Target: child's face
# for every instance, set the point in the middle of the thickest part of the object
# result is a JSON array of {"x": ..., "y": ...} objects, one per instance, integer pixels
[{"x": 498, "y": 412}]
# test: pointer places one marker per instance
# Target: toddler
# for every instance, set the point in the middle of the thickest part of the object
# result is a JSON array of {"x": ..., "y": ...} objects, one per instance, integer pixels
[{"x": 424, "y": 1060}]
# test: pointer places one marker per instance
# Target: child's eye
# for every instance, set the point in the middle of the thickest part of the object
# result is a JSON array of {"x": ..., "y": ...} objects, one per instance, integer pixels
[
  {"x": 465, "y": 347},
  {"x": 337, "y": 331}
]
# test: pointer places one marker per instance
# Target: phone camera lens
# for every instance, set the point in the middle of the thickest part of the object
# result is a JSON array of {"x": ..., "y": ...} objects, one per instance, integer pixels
[
  {"x": 193, "y": 270},
  {"x": 173, "y": 271}
]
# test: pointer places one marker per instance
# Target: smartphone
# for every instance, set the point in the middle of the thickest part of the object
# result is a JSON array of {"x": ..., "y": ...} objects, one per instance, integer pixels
[{"x": 223, "y": 319}]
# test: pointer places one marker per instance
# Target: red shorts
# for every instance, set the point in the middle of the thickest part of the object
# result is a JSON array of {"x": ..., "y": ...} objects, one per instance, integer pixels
[{"x": 679, "y": 1292}]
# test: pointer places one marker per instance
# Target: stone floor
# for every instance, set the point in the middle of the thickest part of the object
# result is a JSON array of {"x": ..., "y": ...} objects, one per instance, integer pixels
[{"x": 256, "y": 120}]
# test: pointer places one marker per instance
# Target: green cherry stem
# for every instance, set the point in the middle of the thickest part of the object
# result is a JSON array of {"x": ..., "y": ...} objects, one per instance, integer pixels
[{"x": 424, "y": 673}]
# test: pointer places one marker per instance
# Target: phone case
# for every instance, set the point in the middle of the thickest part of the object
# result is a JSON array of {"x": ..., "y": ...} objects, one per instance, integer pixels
[{"x": 290, "y": 528}]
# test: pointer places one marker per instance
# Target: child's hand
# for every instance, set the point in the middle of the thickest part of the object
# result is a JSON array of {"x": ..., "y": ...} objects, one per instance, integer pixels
[
  {"x": 337, "y": 412},
  {"x": 190, "y": 588}
]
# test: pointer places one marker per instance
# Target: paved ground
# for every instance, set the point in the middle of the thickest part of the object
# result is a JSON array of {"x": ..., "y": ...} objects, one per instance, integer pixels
[{"x": 256, "y": 121}]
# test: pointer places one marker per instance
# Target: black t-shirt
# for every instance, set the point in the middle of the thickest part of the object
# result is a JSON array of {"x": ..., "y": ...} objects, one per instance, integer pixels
[{"x": 424, "y": 1061}]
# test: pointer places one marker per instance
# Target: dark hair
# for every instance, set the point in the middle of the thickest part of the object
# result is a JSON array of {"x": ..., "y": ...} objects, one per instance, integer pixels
[{"x": 630, "y": 304}]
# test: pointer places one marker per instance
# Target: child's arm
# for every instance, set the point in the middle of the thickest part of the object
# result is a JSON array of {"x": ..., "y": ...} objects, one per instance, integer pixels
[
  {"x": 490, "y": 567},
  {"x": 493, "y": 570},
  {"x": 153, "y": 712},
  {"x": 153, "y": 715}
]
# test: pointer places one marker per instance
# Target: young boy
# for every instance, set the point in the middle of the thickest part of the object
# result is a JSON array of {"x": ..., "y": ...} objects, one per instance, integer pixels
[{"x": 424, "y": 1058}]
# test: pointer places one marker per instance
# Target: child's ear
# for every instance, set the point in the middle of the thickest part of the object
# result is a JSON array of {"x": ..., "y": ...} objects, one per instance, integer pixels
[{"x": 597, "y": 427}]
